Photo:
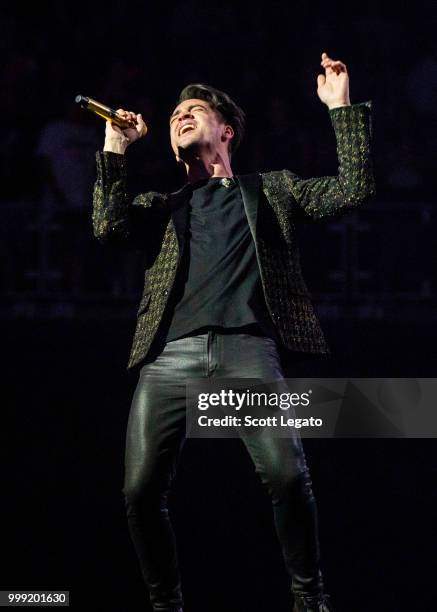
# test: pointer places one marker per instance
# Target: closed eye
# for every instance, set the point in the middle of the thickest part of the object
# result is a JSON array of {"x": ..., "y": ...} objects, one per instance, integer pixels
[{"x": 190, "y": 109}]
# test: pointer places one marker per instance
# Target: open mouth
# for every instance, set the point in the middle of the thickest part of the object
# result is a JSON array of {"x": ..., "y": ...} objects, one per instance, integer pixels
[{"x": 186, "y": 128}]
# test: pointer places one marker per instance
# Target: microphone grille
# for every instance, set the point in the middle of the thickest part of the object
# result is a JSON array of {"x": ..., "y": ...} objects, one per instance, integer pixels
[{"x": 82, "y": 100}]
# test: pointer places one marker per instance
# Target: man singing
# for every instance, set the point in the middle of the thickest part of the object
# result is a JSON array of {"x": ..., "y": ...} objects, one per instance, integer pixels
[{"x": 223, "y": 293}]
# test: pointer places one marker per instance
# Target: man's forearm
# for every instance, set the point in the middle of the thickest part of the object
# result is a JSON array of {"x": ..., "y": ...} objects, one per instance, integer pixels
[{"x": 110, "y": 201}]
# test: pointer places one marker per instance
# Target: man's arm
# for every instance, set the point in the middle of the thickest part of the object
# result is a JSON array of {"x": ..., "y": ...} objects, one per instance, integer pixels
[
  {"x": 355, "y": 183},
  {"x": 115, "y": 218}
]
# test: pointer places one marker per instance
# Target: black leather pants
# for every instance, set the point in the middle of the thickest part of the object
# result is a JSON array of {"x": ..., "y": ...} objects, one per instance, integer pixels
[{"x": 156, "y": 433}]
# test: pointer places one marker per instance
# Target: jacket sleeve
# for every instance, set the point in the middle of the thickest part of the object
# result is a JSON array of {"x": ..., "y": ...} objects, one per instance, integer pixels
[
  {"x": 354, "y": 184},
  {"x": 115, "y": 217}
]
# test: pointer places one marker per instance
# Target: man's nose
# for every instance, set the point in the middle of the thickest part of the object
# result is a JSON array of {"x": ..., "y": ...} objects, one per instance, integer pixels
[{"x": 186, "y": 115}]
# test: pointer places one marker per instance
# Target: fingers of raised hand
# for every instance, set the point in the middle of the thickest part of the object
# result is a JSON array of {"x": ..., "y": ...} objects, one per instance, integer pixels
[
  {"x": 331, "y": 65},
  {"x": 141, "y": 126},
  {"x": 137, "y": 119},
  {"x": 111, "y": 127},
  {"x": 127, "y": 115}
]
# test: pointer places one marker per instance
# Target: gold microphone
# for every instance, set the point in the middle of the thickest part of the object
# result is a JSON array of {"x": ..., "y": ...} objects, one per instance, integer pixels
[{"x": 107, "y": 113}]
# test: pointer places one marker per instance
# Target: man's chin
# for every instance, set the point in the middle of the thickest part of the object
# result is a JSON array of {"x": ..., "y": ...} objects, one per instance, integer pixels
[{"x": 188, "y": 151}]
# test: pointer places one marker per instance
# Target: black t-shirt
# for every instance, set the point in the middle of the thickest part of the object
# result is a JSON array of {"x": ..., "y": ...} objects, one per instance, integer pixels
[{"x": 218, "y": 283}]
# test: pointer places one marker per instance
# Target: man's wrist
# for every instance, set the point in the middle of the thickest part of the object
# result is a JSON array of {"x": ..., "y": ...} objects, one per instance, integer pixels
[
  {"x": 333, "y": 105},
  {"x": 116, "y": 146}
]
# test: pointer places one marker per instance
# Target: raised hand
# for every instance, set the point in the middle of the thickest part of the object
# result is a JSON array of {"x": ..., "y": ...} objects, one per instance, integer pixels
[
  {"x": 116, "y": 139},
  {"x": 333, "y": 86}
]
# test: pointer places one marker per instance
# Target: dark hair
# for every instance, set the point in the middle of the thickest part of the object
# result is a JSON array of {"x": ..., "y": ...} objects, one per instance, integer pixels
[{"x": 221, "y": 102}]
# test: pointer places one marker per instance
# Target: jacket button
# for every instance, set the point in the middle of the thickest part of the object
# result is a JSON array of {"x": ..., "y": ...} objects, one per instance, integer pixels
[{"x": 165, "y": 292}]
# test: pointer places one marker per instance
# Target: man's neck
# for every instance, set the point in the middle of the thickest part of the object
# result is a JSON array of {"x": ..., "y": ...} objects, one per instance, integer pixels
[{"x": 199, "y": 169}]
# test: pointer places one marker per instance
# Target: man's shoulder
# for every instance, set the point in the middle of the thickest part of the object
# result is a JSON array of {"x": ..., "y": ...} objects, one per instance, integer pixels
[
  {"x": 279, "y": 180},
  {"x": 271, "y": 175},
  {"x": 160, "y": 198},
  {"x": 149, "y": 198},
  {"x": 277, "y": 175}
]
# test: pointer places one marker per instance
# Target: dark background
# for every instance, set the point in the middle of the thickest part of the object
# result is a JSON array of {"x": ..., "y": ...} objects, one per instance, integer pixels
[{"x": 68, "y": 304}]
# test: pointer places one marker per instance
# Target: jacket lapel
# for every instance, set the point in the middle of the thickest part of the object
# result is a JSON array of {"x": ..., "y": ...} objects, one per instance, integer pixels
[
  {"x": 178, "y": 204},
  {"x": 250, "y": 189}
]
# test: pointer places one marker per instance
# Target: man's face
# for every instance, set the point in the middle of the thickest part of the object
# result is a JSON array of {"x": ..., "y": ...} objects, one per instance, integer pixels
[{"x": 194, "y": 126}]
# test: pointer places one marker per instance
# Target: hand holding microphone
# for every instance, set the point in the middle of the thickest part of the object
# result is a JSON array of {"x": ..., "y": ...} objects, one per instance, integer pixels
[{"x": 118, "y": 139}]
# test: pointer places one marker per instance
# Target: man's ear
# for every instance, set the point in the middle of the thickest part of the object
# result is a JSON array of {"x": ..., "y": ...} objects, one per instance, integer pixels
[{"x": 229, "y": 132}]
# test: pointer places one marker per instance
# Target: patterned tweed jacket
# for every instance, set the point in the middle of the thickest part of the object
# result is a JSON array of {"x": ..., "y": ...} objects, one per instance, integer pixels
[{"x": 274, "y": 202}]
